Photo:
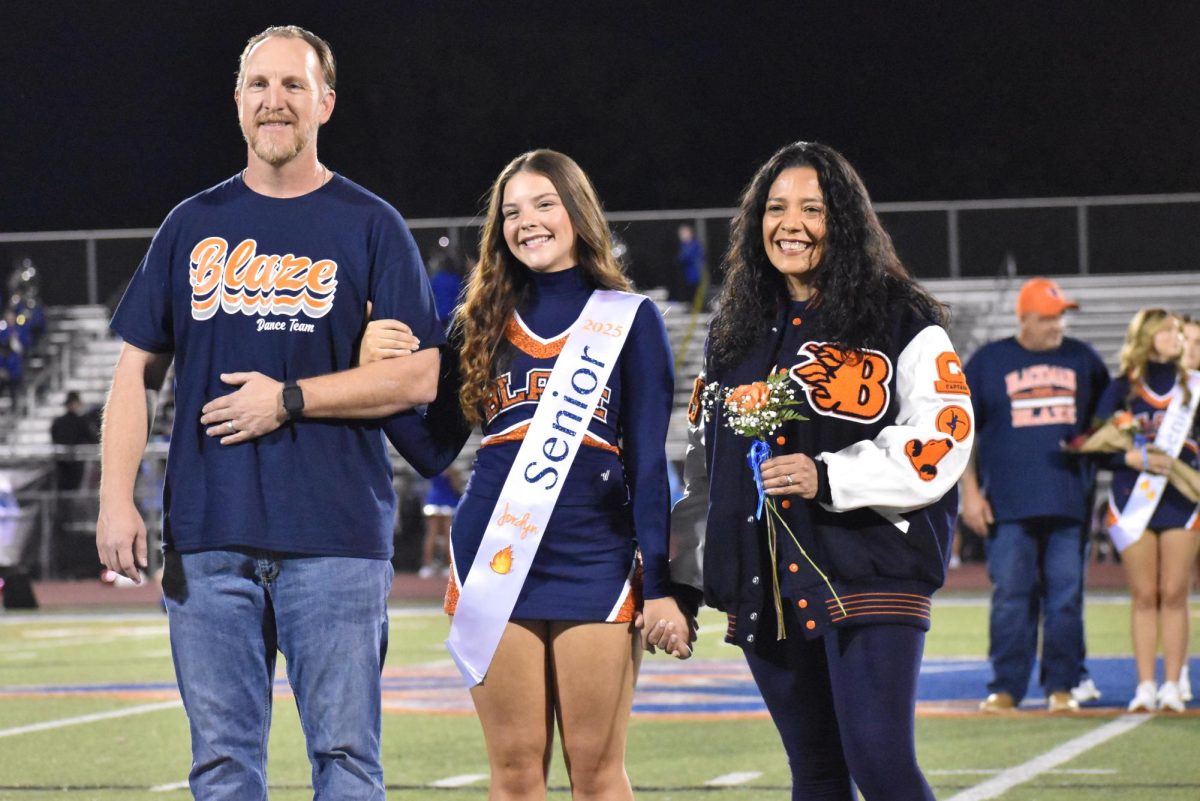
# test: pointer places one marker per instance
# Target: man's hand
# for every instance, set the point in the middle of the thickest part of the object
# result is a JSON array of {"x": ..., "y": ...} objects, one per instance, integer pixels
[
  {"x": 976, "y": 512},
  {"x": 252, "y": 411},
  {"x": 664, "y": 625},
  {"x": 121, "y": 539}
]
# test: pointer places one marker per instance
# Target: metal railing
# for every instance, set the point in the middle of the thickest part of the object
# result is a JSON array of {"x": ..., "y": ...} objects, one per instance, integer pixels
[{"x": 949, "y": 239}]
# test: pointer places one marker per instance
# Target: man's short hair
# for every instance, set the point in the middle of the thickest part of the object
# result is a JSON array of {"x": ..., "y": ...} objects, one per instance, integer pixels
[
  {"x": 324, "y": 51},
  {"x": 72, "y": 397}
]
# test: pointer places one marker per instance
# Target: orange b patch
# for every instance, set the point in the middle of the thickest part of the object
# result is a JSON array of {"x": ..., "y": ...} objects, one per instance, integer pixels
[
  {"x": 850, "y": 386},
  {"x": 924, "y": 456},
  {"x": 503, "y": 560},
  {"x": 955, "y": 421}
]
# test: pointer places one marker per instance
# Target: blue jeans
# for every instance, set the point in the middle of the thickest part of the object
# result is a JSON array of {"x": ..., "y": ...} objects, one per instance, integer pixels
[
  {"x": 1036, "y": 565},
  {"x": 230, "y": 612}
]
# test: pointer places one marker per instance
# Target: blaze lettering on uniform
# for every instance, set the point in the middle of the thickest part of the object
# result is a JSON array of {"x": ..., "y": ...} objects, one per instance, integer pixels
[
  {"x": 240, "y": 280},
  {"x": 505, "y": 396}
]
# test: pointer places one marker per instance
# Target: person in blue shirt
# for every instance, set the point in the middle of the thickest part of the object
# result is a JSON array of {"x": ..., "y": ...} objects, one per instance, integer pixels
[
  {"x": 1031, "y": 499},
  {"x": 569, "y": 651},
  {"x": 278, "y": 504},
  {"x": 1158, "y": 563}
]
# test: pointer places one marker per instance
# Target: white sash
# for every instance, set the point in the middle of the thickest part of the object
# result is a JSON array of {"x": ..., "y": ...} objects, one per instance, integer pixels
[
  {"x": 1148, "y": 489},
  {"x": 505, "y": 554}
]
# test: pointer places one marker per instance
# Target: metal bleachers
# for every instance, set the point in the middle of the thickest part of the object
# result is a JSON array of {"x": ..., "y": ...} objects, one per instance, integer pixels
[{"x": 83, "y": 351}]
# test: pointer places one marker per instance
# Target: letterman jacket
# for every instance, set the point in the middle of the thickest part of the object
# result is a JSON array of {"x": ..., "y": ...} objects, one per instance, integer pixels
[{"x": 890, "y": 435}]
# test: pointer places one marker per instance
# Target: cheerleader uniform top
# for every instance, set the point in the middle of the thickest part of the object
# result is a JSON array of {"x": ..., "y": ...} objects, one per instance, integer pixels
[
  {"x": 615, "y": 498},
  {"x": 1148, "y": 404}
]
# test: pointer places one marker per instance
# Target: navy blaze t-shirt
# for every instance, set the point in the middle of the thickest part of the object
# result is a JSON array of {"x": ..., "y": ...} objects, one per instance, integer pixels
[
  {"x": 1026, "y": 404},
  {"x": 235, "y": 281}
]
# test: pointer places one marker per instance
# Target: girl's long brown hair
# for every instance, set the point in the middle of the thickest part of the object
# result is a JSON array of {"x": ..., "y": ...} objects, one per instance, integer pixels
[
  {"x": 1139, "y": 344},
  {"x": 499, "y": 282}
]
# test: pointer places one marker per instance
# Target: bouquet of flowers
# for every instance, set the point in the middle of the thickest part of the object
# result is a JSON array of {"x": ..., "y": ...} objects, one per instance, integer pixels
[
  {"x": 1124, "y": 431},
  {"x": 757, "y": 411}
]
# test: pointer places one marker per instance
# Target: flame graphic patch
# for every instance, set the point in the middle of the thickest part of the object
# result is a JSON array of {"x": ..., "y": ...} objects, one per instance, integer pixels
[{"x": 503, "y": 560}]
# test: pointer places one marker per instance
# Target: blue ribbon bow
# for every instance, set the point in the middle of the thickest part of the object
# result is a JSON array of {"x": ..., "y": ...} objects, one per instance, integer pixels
[{"x": 759, "y": 452}]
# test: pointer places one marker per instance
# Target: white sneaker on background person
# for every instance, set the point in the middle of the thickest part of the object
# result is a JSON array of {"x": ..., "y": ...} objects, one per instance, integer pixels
[
  {"x": 1086, "y": 691},
  {"x": 1185, "y": 684},
  {"x": 1144, "y": 698},
  {"x": 1169, "y": 699}
]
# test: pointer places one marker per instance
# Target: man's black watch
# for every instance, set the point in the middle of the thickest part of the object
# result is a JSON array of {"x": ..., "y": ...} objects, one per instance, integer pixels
[{"x": 293, "y": 400}]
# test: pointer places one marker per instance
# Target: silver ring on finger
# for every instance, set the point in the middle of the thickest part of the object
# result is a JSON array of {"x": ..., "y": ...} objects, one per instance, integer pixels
[
  {"x": 789, "y": 478},
  {"x": 232, "y": 426}
]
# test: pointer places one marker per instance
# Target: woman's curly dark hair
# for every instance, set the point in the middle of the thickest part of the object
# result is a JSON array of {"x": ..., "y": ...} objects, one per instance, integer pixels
[{"x": 857, "y": 279}]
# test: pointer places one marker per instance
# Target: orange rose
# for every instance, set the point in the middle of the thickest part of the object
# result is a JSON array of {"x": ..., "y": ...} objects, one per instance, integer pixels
[{"x": 749, "y": 397}]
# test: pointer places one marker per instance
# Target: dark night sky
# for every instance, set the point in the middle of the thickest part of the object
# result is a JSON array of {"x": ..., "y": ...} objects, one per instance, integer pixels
[{"x": 113, "y": 112}]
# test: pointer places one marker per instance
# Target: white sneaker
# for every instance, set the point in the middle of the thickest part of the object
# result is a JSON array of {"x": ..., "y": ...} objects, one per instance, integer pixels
[
  {"x": 1086, "y": 691},
  {"x": 1168, "y": 698},
  {"x": 1144, "y": 698},
  {"x": 1185, "y": 684},
  {"x": 427, "y": 571}
]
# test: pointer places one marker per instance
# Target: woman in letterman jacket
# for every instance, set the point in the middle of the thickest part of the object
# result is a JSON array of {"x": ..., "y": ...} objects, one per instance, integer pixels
[
  {"x": 569, "y": 649},
  {"x": 867, "y": 483}
]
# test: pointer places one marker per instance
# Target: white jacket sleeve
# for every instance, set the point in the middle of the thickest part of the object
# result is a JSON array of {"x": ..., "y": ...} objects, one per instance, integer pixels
[{"x": 919, "y": 458}]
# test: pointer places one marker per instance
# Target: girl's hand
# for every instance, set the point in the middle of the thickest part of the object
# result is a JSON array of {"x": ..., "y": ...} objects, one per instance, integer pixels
[
  {"x": 664, "y": 625},
  {"x": 386, "y": 339}
]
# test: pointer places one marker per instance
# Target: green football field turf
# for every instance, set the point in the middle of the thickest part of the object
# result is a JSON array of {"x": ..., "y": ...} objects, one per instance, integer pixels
[{"x": 51, "y": 749}]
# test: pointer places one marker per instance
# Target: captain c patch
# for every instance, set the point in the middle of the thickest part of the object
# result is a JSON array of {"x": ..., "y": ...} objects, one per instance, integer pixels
[{"x": 955, "y": 421}]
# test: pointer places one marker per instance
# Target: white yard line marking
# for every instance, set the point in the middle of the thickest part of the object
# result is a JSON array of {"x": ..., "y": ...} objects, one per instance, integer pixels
[
  {"x": 994, "y": 771},
  {"x": 167, "y": 788},
  {"x": 459, "y": 781},
  {"x": 733, "y": 779},
  {"x": 1008, "y": 779},
  {"x": 116, "y": 713}
]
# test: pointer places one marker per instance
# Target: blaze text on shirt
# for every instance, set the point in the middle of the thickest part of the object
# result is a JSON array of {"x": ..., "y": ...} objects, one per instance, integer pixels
[{"x": 1041, "y": 395}]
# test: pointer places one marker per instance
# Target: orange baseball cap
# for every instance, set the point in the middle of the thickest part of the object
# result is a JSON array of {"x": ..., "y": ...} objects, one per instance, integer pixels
[{"x": 1042, "y": 296}]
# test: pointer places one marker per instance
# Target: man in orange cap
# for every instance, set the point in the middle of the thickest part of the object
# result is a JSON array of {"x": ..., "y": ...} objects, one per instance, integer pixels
[{"x": 1031, "y": 392}]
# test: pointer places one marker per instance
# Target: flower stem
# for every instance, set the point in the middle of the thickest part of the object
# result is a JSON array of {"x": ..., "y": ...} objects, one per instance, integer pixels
[
  {"x": 772, "y": 510},
  {"x": 772, "y": 547}
]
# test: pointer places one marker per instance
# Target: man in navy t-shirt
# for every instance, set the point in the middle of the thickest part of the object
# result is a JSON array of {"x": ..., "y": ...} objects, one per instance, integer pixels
[
  {"x": 277, "y": 523},
  {"x": 1032, "y": 392}
]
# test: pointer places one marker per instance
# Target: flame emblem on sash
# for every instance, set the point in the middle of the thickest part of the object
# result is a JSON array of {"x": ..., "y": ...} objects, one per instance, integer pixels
[{"x": 503, "y": 560}]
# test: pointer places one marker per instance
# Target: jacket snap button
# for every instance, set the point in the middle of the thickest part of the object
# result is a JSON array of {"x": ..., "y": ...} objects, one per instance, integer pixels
[
  {"x": 753, "y": 616},
  {"x": 754, "y": 580},
  {"x": 749, "y": 638}
]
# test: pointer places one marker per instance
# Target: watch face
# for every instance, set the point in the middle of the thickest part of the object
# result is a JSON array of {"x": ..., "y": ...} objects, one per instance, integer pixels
[{"x": 293, "y": 400}]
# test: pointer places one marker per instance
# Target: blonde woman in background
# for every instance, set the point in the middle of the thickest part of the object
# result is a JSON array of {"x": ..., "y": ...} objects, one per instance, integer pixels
[{"x": 1157, "y": 554}]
